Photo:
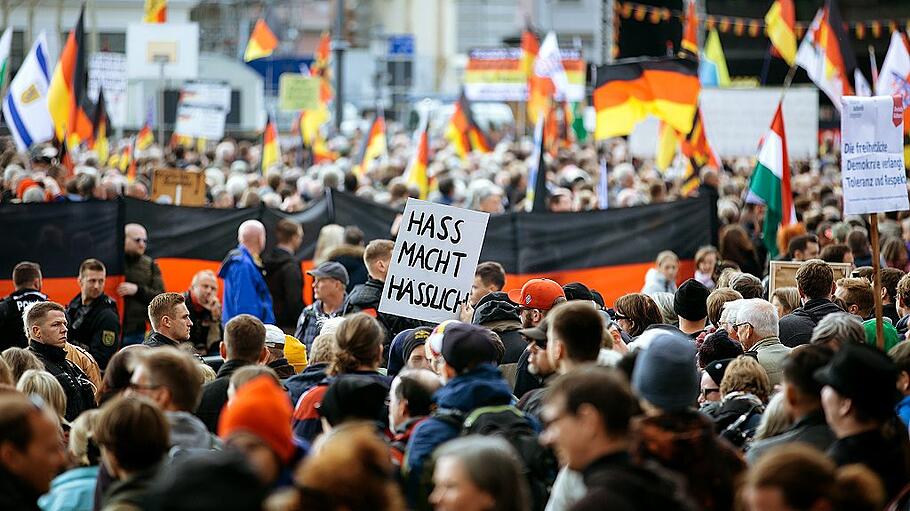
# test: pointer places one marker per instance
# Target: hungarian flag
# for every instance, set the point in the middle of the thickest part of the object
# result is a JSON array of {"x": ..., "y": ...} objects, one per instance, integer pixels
[
  {"x": 6, "y": 45},
  {"x": 155, "y": 11},
  {"x": 271, "y": 153},
  {"x": 770, "y": 184},
  {"x": 689, "y": 41},
  {"x": 417, "y": 169},
  {"x": 627, "y": 92},
  {"x": 320, "y": 67},
  {"x": 374, "y": 145},
  {"x": 826, "y": 55},
  {"x": 262, "y": 42},
  {"x": 101, "y": 124},
  {"x": 463, "y": 132},
  {"x": 145, "y": 138},
  {"x": 780, "y": 25},
  {"x": 894, "y": 78},
  {"x": 67, "y": 97}
]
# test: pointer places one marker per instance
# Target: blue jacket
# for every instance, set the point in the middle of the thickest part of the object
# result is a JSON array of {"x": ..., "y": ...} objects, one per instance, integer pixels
[
  {"x": 482, "y": 386},
  {"x": 73, "y": 490},
  {"x": 903, "y": 410},
  {"x": 245, "y": 290}
]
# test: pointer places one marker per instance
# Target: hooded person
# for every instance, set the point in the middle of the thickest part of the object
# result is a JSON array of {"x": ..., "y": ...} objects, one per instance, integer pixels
[
  {"x": 402, "y": 349},
  {"x": 257, "y": 422},
  {"x": 671, "y": 432},
  {"x": 464, "y": 356},
  {"x": 496, "y": 312}
]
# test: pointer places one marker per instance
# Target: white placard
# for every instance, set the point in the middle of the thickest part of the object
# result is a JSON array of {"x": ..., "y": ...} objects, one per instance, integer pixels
[
  {"x": 433, "y": 262},
  {"x": 206, "y": 94},
  {"x": 199, "y": 121},
  {"x": 108, "y": 71},
  {"x": 872, "y": 155}
]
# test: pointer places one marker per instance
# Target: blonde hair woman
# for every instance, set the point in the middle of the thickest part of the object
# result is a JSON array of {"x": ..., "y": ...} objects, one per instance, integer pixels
[
  {"x": 44, "y": 385},
  {"x": 330, "y": 237}
]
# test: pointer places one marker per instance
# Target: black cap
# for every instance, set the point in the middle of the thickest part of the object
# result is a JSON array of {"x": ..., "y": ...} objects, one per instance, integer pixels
[
  {"x": 465, "y": 345},
  {"x": 354, "y": 396},
  {"x": 498, "y": 296},
  {"x": 331, "y": 270},
  {"x": 865, "y": 375},
  {"x": 691, "y": 300},
  {"x": 577, "y": 291},
  {"x": 537, "y": 334},
  {"x": 718, "y": 368},
  {"x": 415, "y": 338}
]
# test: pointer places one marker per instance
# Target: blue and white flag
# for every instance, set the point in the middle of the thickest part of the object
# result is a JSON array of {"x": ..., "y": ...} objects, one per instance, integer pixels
[
  {"x": 603, "y": 192},
  {"x": 25, "y": 104}
]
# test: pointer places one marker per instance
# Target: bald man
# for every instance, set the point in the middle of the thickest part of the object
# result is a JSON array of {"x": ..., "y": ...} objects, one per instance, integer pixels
[
  {"x": 142, "y": 282},
  {"x": 245, "y": 289}
]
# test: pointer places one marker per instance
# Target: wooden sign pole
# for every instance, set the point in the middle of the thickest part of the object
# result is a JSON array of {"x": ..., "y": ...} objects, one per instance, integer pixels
[{"x": 877, "y": 282}]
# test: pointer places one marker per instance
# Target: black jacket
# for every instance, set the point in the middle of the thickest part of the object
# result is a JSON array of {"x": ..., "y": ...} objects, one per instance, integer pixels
[
  {"x": 614, "y": 479},
  {"x": 796, "y": 327},
  {"x": 365, "y": 298},
  {"x": 145, "y": 273},
  {"x": 351, "y": 257},
  {"x": 811, "y": 429},
  {"x": 300, "y": 383},
  {"x": 12, "y": 330},
  {"x": 15, "y": 494},
  {"x": 285, "y": 281},
  {"x": 889, "y": 310},
  {"x": 80, "y": 393},
  {"x": 502, "y": 317},
  {"x": 883, "y": 456},
  {"x": 157, "y": 340},
  {"x": 95, "y": 327},
  {"x": 203, "y": 323},
  {"x": 214, "y": 394}
]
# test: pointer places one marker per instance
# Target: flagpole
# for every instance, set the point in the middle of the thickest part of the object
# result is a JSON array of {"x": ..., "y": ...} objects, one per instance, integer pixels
[
  {"x": 787, "y": 81},
  {"x": 877, "y": 282}
]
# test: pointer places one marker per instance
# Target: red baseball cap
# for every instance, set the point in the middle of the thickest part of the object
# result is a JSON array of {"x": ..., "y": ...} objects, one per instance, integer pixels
[{"x": 537, "y": 294}]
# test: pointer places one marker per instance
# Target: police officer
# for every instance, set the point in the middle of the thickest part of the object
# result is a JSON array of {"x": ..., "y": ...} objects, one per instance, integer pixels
[
  {"x": 46, "y": 324},
  {"x": 27, "y": 280},
  {"x": 94, "y": 323}
]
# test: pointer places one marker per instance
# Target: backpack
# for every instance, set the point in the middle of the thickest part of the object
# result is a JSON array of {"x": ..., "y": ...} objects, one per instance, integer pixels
[{"x": 517, "y": 428}]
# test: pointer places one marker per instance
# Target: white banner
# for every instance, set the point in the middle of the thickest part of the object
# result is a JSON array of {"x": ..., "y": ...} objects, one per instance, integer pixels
[
  {"x": 200, "y": 121},
  {"x": 872, "y": 155},
  {"x": 108, "y": 71},
  {"x": 433, "y": 262}
]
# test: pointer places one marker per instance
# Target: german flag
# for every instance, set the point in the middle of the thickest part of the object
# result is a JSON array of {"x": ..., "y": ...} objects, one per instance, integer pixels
[
  {"x": 320, "y": 68},
  {"x": 101, "y": 123},
  {"x": 780, "y": 25},
  {"x": 463, "y": 132},
  {"x": 271, "y": 153},
  {"x": 67, "y": 98},
  {"x": 627, "y": 92},
  {"x": 262, "y": 42},
  {"x": 155, "y": 11},
  {"x": 374, "y": 145},
  {"x": 145, "y": 138},
  {"x": 530, "y": 46},
  {"x": 689, "y": 41},
  {"x": 417, "y": 170}
]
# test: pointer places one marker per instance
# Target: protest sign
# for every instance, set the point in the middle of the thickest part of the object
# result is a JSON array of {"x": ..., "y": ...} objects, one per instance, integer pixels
[
  {"x": 872, "y": 158},
  {"x": 433, "y": 262},
  {"x": 298, "y": 92},
  {"x": 202, "y": 109},
  {"x": 783, "y": 273},
  {"x": 181, "y": 187},
  {"x": 108, "y": 71}
]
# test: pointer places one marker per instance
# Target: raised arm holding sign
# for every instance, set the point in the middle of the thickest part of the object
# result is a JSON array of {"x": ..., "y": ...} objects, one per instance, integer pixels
[{"x": 433, "y": 262}]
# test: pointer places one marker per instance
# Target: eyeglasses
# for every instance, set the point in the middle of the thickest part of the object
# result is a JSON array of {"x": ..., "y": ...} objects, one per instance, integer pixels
[
  {"x": 617, "y": 316},
  {"x": 708, "y": 391},
  {"x": 737, "y": 325}
]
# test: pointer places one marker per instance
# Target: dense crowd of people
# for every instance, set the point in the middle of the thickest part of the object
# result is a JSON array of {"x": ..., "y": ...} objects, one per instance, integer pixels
[
  {"x": 720, "y": 391},
  {"x": 699, "y": 393}
]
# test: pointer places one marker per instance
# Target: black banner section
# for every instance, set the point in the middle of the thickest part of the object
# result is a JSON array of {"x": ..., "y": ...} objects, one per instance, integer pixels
[{"x": 60, "y": 236}]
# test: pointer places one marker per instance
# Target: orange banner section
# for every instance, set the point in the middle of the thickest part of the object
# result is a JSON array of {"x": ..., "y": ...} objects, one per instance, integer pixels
[
  {"x": 178, "y": 275},
  {"x": 610, "y": 281},
  {"x": 62, "y": 290}
]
